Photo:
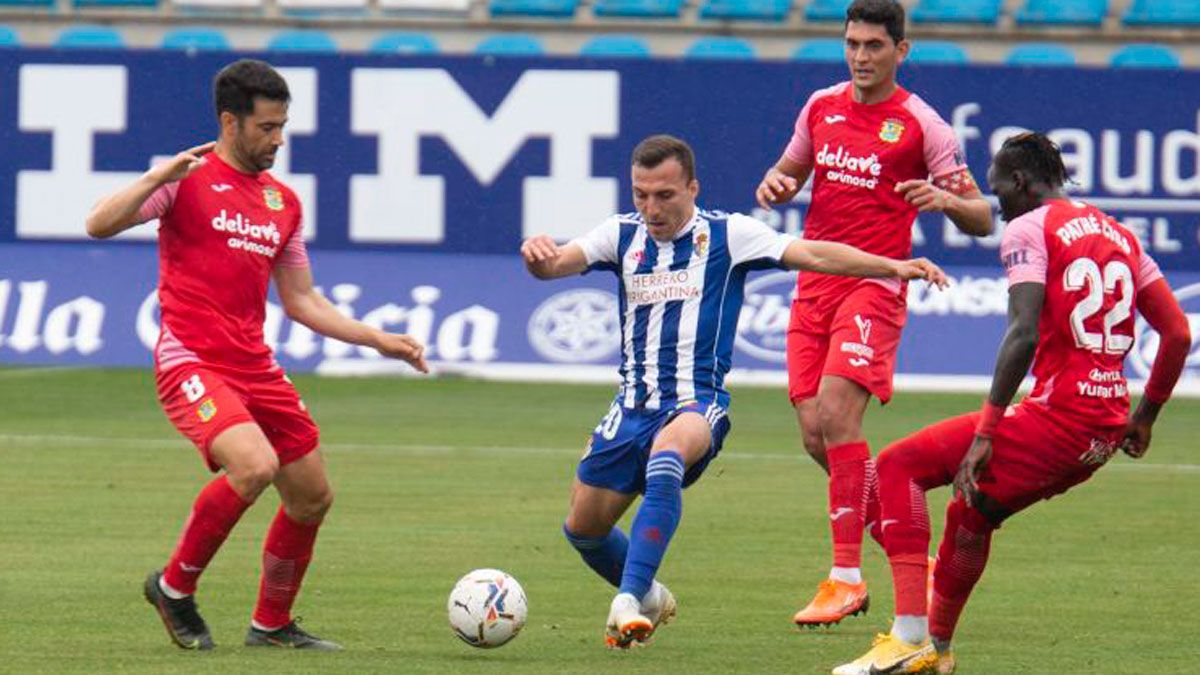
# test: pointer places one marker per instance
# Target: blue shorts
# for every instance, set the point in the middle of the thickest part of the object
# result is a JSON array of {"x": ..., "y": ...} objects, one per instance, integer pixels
[{"x": 620, "y": 445}]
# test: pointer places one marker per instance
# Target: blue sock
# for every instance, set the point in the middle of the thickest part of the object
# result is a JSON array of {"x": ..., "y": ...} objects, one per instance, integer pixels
[
  {"x": 605, "y": 555},
  {"x": 655, "y": 522}
]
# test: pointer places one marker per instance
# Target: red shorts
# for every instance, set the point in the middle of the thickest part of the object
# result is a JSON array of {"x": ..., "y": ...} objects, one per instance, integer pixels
[
  {"x": 853, "y": 336},
  {"x": 202, "y": 401},
  {"x": 1035, "y": 454}
]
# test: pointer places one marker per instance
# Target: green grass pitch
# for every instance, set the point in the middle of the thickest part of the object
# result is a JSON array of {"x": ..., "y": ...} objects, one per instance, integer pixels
[{"x": 437, "y": 477}]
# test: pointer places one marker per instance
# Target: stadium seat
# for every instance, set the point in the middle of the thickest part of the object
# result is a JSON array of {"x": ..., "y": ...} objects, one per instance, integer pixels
[
  {"x": 1144, "y": 56},
  {"x": 34, "y": 4},
  {"x": 1063, "y": 12},
  {"x": 302, "y": 41},
  {"x": 89, "y": 37},
  {"x": 8, "y": 37},
  {"x": 827, "y": 50},
  {"x": 426, "y": 6},
  {"x": 405, "y": 43},
  {"x": 512, "y": 44},
  {"x": 195, "y": 39},
  {"x": 638, "y": 9},
  {"x": 1036, "y": 54},
  {"x": 719, "y": 48},
  {"x": 322, "y": 7},
  {"x": 957, "y": 11},
  {"x": 826, "y": 10},
  {"x": 547, "y": 9},
  {"x": 220, "y": 6},
  {"x": 115, "y": 3},
  {"x": 1163, "y": 13},
  {"x": 746, "y": 10},
  {"x": 615, "y": 46},
  {"x": 935, "y": 51}
]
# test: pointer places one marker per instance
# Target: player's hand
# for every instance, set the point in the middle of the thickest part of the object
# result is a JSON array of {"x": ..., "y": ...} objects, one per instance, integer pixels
[
  {"x": 539, "y": 249},
  {"x": 1137, "y": 438},
  {"x": 921, "y": 268},
  {"x": 181, "y": 165},
  {"x": 776, "y": 188},
  {"x": 403, "y": 347},
  {"x": 966, "y": 481},
  {"x": 924, "y": 195}
]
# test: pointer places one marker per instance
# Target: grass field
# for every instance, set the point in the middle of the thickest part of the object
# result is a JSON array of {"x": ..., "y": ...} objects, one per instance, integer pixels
[{"x": 435, "y": 478}]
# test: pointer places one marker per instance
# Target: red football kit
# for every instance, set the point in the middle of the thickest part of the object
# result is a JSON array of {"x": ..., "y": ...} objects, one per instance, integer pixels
[
  {"x": 221, "y": 234},
  {"x": 858, "y": 153}
]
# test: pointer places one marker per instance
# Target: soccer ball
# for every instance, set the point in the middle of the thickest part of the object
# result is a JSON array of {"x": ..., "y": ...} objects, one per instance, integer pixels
[{"x": 487, "y": 608}]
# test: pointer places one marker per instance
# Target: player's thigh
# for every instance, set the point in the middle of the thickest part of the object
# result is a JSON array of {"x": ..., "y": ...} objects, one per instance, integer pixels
[
  {"x": 202, "y": 405},
  {"x": 304, "y": 489},
  {"x": 930, "y": 457},
  {"x": 697, "y": 431},
  {"x": 841, "y": 404},
  {"x": 615, "y": 457},
  {"x": 595, "y": 510},
  {"x": 807, "y": 344},
  {"x": 276, "y": 406},
  {"x": 864, "y": 337}
]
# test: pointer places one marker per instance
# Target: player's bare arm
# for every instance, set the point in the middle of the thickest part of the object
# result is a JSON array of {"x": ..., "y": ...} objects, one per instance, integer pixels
[
  {"x": 969, "y": 210},
  {"x": 830, "y": 257},
  {"x": 305, "y": 305},
  {"x": 545, "y": 259},
  {"x": 782, "y": 182},
  {"x": 1025, "y": 302},
  {"x": 1161, "y": 310},
  {"x": 118, "y": 211}
]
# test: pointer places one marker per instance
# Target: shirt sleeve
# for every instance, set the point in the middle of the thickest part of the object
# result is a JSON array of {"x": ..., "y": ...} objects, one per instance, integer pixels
[
  {"x": 944, "y": 157},
  {"x": 1023, "y": 249},
  {"x": 158, "y": 203},
  {"x": 754, "y": 242},
  {"x": 600, "y": 245},
  {"x": 295, "y": 252},
  {"x": 1147, "y": 272},
  {"x": 800, "y": 149}
]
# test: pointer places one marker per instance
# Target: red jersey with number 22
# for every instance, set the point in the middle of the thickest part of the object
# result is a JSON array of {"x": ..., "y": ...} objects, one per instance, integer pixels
[
  {"x": 1092, "y": 268},
  {"x": 221, "y": 233}
]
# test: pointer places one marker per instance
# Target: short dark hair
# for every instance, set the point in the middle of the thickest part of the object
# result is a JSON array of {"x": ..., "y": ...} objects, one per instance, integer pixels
[
  {"x": 886, "y": 13},
  {"x": 239, "y": 83},
  {"x": 1035, "y": 154},
  {"x": 659, "y": 148}
]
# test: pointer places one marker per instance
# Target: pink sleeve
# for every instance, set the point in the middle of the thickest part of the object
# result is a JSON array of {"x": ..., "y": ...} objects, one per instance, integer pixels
[
  {"x": 294, "y": 253},
  {"x": 159, "y": 202},
  {"x": 1147, "y": 272},
  {"x": 943, "y": 156},
  {"x": 1023, "y": 249},
  {"x": 799, "y": 149}
]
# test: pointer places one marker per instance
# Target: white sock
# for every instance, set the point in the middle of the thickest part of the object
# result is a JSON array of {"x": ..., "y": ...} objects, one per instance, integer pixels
[
  {"x": 168, "y": 591},
  {"x": 652, "y": 596},
  {"x": 912, "y": 629},
  {"x": 266, "y": 629},
  {"x": 846, "y": 575}
]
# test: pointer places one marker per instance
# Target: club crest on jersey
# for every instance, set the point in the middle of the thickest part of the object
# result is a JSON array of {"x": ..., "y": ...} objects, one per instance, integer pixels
[
  {"x": 207, "y": 410},
  {"x": 891, "y": 131},
  {"x": 700, "y": 245},
  {"x": 273, "y": 198}
]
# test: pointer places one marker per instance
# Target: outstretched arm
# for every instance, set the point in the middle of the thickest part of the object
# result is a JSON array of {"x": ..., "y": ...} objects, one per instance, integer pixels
[
  {"x": 305, "y": 305},
  {"x": 1157, "y": 303},
  {"x": 547, "y": 260},
  {"x": 118, "y": 212},
  {"x": 830, "y": 257}
]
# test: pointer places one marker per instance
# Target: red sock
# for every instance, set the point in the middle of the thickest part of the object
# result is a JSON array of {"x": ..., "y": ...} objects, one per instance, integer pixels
[
  {"x": 217, "y": 509},
  {"x": 848, "y": 500},
  {"x": 906, "y": 470},
  {"x": 286, "y": 553},
  {"x": 961, "y": 559},
  {"x": 910, "y": 575},
  {"x": 872, "y": 515}
]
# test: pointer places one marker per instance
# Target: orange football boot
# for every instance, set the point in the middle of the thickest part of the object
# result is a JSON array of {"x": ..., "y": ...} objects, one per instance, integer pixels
[{"x": 835, "y": 600}]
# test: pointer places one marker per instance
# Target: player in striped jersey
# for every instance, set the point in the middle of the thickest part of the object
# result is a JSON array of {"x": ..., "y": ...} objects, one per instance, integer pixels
[{"x": 681, "y": 272}]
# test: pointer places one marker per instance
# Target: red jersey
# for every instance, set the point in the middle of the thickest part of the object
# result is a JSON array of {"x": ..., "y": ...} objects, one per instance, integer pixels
[
  {"x": 1092, "y": 268},
  {"x": 221, "y": 232},
  {"x": 858, "y": 153}
]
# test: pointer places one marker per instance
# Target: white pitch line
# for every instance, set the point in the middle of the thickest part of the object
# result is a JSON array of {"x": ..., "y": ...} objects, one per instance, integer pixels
[
  {"x": 13, "y": 373},
  {"x": 416, "y": 448}
]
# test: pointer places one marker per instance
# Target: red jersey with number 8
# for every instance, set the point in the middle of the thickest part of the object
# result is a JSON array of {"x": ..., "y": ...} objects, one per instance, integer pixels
[{"x": 1093, "y": 268}]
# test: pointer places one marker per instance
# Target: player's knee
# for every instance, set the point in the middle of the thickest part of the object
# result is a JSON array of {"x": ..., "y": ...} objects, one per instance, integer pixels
[
  {"x": 578, "y": 540},
  {"x": 580, "y": 527},
  {"x": 892, "y": 463},
  {"x": 255, "y": 473},
  {"x": 838, "y": 418},
  {"x": 314, "y": 507}
]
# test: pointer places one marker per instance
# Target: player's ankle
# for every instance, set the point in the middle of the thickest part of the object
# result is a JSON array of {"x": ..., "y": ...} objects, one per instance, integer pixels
[{"x": 846, "y": 575}]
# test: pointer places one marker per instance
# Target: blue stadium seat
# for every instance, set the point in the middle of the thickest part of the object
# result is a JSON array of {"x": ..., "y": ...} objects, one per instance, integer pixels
[
  {"x": 195, "y": 39},
  {"x": 46, "y": 4},
  {"x": 1144, "y": 56},
  {"x": 89, "y": 37},
  {"x": 615, "y": 46},
  {"x": 1063, "y": 12},
  {"x": 748, "y": 10},
  {"x": 719, "y": 48},
  {"x": 115, "y": 3},
  {"x": 8, "y": 37},
  {"x": 638, "y": 9},
  {"x": 556, "y": 9},
  {"x": 405, "y": 43},
  {"x": 825, "y": 50},
  {"x": 513, "y": 44},
  {"x": 935, "y": 51},
  {"x": 1163, "y": 13},
  {"x": 957, "y": 11},
  {"x": 302, "y": 41},
  {"x": 1038, "y": 54},
  {"x": 826, "y": 10}
]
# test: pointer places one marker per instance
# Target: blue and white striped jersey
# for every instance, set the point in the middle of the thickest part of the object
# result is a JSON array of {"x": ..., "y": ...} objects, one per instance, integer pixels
[{"x": 680, "y": 301}]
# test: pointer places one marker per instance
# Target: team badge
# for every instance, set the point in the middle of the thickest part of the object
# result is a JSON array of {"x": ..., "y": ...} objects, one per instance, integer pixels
[
  {"x": 891, "y": 131},
  {"x": 207, "y": 410},
  {"x": 273, "y": 198},
  {"x": 700, "y": 244}
]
